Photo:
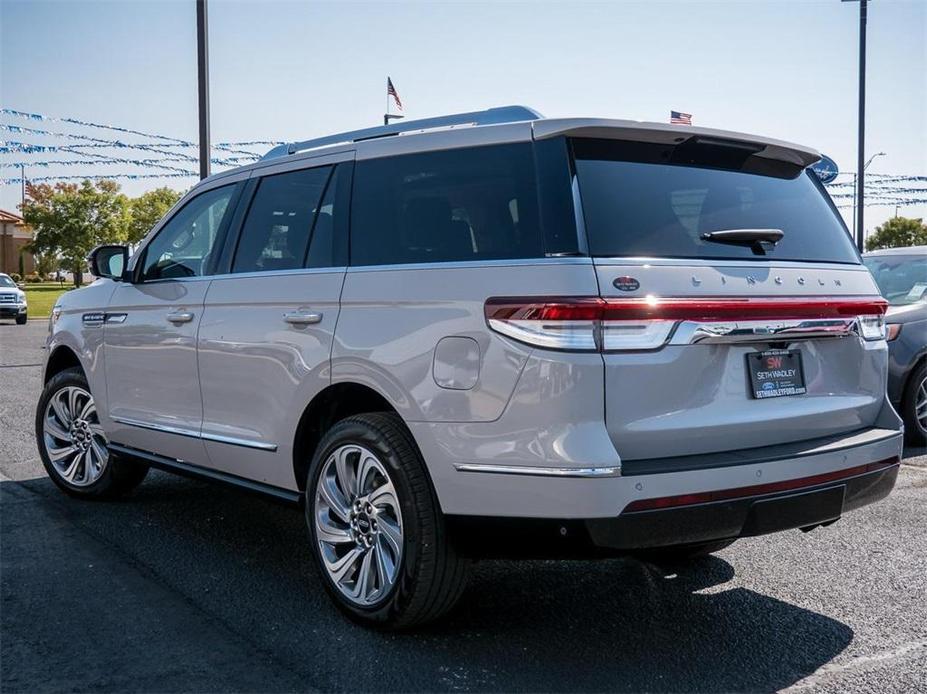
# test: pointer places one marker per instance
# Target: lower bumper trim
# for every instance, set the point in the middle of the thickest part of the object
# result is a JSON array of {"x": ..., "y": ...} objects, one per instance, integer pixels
[{"x": 745, "y": 516}]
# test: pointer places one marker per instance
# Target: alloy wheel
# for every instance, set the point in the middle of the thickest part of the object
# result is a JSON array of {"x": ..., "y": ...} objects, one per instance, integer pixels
[
  {"x": 358, "y": 524},
  {"x": 73, "y": 437}
]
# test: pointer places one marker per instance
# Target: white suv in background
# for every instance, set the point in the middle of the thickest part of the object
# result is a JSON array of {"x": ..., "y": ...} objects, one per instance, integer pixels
[
  {"x": 12, "y": 300},
  {"x": 488, "y": 334}
]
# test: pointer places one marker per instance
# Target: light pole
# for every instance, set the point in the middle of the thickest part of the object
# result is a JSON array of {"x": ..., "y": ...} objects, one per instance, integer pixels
[
  {"x": 861, "y": 146},
  {"x": 202, "y": 71},
  {"x": 857, "y": 195}
]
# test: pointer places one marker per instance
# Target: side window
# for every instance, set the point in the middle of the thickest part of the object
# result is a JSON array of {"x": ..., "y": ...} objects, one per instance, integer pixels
[
  {"x": 183, "y": 246},
  {"x": 464, "y": 204},
  {"x": 276, "y": 232}
]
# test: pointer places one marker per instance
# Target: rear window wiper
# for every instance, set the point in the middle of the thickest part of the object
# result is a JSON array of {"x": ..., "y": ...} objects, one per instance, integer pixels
[{"x": 760, "y": 240}]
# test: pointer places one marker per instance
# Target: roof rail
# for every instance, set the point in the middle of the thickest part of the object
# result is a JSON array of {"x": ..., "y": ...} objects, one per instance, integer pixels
[{"x": 492, "y": 116}]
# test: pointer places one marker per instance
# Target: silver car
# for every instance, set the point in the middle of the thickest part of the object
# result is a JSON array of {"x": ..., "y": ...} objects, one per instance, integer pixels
[{"x": 488, "y": 334}]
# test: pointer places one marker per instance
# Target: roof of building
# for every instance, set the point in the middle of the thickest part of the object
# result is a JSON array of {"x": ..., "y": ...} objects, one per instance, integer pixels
[{"x": 10, "y": 217}]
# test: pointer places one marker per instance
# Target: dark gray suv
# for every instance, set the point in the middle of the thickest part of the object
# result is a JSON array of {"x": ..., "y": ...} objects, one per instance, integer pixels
[{"x": 901, "y": 274}]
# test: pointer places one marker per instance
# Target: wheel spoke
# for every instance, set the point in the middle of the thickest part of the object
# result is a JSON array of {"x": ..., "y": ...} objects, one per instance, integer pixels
[
  {"x": 347, "y": 480},
  {"x": 384, "y": 495},
  {"x": 391, "y": 534},
  {"x": 54, "y": 429},
  {"x": 61, "y": 409},
  {"x": 99, "y": 452},
  {"x": 333, "y": 535},
  {"x": 73, "y": 402},
  {"x": 366, "y": 468},
  {"x": 58, "y": 454},
  {"x": 69, "y": 472},
  {"x": 88, "y": 409},
  {"x": 89, "y": 469},
  {"x": 331, "y": 494},
  {"x": 362, "y": 582},
  {"x": 339, "y": 569},
  {"x": 386, "y": 569}
]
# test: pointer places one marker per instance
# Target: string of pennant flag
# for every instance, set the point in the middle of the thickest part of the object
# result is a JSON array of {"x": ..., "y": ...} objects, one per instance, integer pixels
[{"x": 143, "y": 155}]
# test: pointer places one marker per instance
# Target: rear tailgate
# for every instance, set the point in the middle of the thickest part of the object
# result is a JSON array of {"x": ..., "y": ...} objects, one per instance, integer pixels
[
  {"x": 694, "y": 395},
  {"x": 778, "y": 289}
]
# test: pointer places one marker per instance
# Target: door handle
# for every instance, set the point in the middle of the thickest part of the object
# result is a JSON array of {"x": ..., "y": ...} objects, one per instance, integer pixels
[
  {"x": 180, "y": 316},
  {"x": 302, "y": 317}
]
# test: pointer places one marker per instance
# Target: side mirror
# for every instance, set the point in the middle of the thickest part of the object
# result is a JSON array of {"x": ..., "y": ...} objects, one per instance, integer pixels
[{"x": 109, "y": 261}]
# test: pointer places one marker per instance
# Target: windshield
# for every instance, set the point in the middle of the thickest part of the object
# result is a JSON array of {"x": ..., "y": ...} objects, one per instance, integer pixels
[
  {"x": 659, "y": 201},
  {"x": 6, "y": 281},
  {"x": 902, "y": 279}
]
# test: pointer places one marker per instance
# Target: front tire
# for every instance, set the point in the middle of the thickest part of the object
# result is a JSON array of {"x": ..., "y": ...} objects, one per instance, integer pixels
[
  {"x": 377, "y": 533},
  {"x": 21, "y": 319},
  {"x": 72, "y": 444}
]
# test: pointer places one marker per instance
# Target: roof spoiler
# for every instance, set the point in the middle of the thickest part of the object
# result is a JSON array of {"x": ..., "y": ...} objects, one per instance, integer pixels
[
  {"x": 492, "y": 116},
  {"x": 660, "y": 133}
]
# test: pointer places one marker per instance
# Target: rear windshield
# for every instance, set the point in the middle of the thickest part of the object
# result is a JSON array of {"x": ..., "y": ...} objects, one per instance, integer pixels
[{"x": 658, "y": 201}]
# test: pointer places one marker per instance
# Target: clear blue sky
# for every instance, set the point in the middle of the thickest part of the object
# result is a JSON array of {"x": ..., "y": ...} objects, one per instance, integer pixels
[{"x": 292, "y": 70}]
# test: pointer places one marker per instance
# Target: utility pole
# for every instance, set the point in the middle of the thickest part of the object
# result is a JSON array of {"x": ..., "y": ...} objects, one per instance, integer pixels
[
  {"x": 22, "y": 182},
  {"x": 202, "y": 63}
]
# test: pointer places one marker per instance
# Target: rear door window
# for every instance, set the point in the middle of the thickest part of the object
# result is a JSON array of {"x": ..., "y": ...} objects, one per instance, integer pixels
[
  {"x": 455, "y": 205},
  {"x": 658, "y": 201},
  {"x": 276, "y": 233}
]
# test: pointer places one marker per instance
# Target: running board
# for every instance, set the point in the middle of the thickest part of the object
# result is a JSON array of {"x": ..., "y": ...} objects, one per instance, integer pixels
[{"x": 185, "y": 469}]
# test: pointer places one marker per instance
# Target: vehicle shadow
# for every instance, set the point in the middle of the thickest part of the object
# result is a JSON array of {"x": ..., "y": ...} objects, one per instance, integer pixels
[{"x": 616, "y": 625}]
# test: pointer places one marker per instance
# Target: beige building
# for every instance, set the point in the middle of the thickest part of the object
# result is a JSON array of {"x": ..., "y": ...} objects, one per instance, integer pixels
[{"x": 14, "y": 235}]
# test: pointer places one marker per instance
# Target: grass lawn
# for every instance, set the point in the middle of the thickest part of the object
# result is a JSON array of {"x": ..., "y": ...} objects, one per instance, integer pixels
[{"x": 42, "y": 296}]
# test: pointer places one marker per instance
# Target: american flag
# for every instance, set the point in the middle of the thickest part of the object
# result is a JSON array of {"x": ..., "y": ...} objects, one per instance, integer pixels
[
  {"x": 391, "y": 91},
  {"x": 677, "y": 118}
]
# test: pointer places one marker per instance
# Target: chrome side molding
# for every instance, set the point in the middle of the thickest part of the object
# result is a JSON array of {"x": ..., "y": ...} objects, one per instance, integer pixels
[
  {"x": 582, "y": 472},
  {"x": 190, "y": 433}
]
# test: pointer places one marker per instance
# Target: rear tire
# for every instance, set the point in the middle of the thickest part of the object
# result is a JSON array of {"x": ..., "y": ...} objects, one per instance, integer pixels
[
  {"x": 21, "y": 319},
  {"x": 368, "y": 495},
  {"x": 914, "y": 407},
  {"x": 679, "y": 554},
  {"x": 72, "y": 444}
]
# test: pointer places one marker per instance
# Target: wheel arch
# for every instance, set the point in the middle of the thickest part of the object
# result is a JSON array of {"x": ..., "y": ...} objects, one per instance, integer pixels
[
  {"x": 334, "y": 403},
  {"x": 62, "y": 357}
]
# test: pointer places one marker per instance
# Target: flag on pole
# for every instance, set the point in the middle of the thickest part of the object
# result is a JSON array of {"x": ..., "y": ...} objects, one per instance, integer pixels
[
  {"x": 677, "y": 118},
  {"x": 391, "y": 91}
]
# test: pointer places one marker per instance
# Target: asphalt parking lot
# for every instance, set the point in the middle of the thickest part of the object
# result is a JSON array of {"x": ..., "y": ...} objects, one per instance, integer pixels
[{"x": 190, "y": 587}]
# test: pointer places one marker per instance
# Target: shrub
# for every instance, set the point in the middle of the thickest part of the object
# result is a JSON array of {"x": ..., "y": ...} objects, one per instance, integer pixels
[
  {"x": 16, "y": 277},
  {"x": 33, "y": 278}
]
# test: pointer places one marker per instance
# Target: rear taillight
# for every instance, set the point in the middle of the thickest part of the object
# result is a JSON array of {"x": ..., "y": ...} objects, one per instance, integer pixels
[{"x": 598, "y": 324}]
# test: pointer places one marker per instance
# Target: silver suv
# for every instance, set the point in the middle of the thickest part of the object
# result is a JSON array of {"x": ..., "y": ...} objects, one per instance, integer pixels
[{"x": 488, "y": 334}]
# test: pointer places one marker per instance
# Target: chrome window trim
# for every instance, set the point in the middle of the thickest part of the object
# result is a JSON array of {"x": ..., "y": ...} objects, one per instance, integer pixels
[
  {"x": 260, "y": 273},
  {"x": 462, "y": 264},
  {"x": 559, "y": 472},
  {"x": 768, "y": 262},
  {"x": 180, "y": 431}
]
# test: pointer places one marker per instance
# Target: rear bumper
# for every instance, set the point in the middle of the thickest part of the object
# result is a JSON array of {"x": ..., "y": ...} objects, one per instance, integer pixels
[{"x": 742, "y": 516}]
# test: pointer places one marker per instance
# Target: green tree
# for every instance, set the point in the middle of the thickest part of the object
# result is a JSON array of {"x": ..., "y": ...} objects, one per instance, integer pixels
[
  {"x": 70, "y": 219},
  {"x": 898, "y": 232},
  {"x": 147, "y": 210}
]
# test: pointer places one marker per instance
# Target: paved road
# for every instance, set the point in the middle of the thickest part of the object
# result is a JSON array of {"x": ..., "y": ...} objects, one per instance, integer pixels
[{"x": 191, "y": 587}]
